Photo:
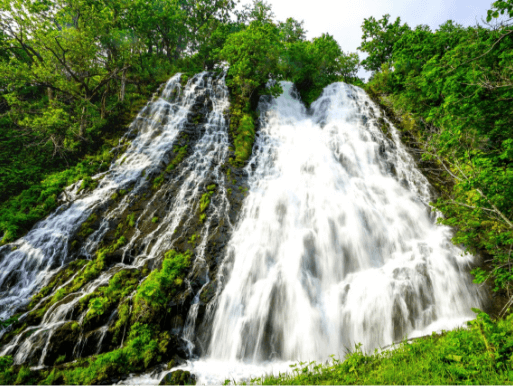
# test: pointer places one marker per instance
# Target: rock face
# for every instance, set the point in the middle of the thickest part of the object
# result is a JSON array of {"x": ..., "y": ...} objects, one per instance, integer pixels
[
  {"x": 172, "y": 187},
  {"x": 178, "y": 377}
]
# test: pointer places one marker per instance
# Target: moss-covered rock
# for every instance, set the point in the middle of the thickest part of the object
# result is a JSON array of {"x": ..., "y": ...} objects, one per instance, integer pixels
[{"x": 178, "y": 377}]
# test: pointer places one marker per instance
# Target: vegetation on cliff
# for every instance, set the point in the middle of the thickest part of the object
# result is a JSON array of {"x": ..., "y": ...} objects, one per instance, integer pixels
[
  {"x": 75, "y": 73},
  {"x": 451, "y": 89}
]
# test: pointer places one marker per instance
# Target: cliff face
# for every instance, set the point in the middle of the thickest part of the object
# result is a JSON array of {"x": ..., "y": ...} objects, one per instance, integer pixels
[
  {"x": 157, "y": 220},
  {"x": 128, "y": 273}
]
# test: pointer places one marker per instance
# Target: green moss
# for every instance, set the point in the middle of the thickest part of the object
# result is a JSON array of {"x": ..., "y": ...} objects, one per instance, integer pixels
[
  {"x": 119, "y": 230},
  {"x": 104, "y": 298},
  {"x": 24, "y": 376},
  {"x": 158, "y": 181},
  {"x": 205, "y": 201},
  {"x": 154, "y": 220},
  {"x": 122, "y": 321},
  {"x": 130, "y": 219},
  {"x": 192, "y": 239},
  {"x": 90, "y": 271},
  {"x": 141, "y": 351},
  {"x": 154, "y": 292},
  {"x": 57, "y": 281},
  {"x": 244, "y": 139},
  {"x": 180, "y": 153},
  {"x": 86, "y": 228},
  {"x": 88, "y": 183}
]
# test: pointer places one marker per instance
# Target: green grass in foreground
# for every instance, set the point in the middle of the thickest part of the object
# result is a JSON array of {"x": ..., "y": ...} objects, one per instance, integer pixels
[
  {"x": 478, "y": 355},
  {"x": 481, "y": 354}
]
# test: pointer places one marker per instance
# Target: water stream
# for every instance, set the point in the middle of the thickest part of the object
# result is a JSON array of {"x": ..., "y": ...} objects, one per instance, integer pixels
[
  {"x": 335, "y": 245},
  {"x": 151, "y": 137}
]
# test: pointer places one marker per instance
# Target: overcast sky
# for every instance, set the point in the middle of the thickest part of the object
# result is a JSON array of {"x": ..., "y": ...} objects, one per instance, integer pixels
[{"x": 343, "y": 18}]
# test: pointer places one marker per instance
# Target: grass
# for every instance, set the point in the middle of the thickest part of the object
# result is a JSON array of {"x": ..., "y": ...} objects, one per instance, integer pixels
[{"x": 480, "y": 354}]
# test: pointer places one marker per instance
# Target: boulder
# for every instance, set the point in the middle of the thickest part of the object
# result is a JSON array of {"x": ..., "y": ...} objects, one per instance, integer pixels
[{"x": 178, "y": 377}]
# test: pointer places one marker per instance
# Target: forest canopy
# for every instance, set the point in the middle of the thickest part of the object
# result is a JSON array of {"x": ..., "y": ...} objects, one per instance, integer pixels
[{"x": 73, "y": 70}]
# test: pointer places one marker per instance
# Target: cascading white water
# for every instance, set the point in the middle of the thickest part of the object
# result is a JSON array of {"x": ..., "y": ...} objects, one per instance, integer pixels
[
  {"x": 336, "y": 244},
  {"x": 45, "y": 249}
]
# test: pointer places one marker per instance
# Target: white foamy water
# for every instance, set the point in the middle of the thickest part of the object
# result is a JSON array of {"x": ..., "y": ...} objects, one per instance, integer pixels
[
  {"x": 45, "y": 249},
  {"x": 216, "y": 372},
  {"x": 336, "y": 243}
]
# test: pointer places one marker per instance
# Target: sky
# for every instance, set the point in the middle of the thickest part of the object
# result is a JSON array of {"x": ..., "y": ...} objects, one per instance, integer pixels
[{"x": 343, "y": 18}]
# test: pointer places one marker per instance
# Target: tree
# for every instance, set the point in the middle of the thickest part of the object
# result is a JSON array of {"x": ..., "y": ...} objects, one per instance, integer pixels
[
  {"x": 378, "y": 39},
  {"x": 253, "y": 55},
  {"x": 292, "y": 31},
  {"x": 499, "y": 8},
  {"x": 312, "y": 65}
]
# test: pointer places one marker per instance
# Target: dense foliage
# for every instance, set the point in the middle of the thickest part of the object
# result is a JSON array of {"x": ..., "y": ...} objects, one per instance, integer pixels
[
  {"x": 74, "y": 72},
  {"x": 452, "y": 89}
]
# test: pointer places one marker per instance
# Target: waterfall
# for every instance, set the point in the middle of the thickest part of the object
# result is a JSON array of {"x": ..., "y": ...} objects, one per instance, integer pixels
[
  {"x": 197, "y": 111},
  {"x": 336, "y": 244}
]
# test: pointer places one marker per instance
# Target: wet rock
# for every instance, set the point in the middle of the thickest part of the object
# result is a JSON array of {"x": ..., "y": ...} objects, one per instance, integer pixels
[
  {"x": 62, "y": 343},
  {"x": 176, "y": 361},
  {"x": 178, "y": 377},
  {"x": 208, "y": 292}
]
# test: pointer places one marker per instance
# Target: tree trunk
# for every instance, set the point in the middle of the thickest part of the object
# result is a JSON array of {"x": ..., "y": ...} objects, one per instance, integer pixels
[
  {"x": 123, "y": 83},
  {"x": 49, "y": 93},
  {"x": 82, "y": 123},
  {"x": 103, "y": 110}
]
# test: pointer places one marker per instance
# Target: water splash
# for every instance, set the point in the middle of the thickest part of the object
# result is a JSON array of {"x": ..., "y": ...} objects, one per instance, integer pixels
[{"x": 336, "y": 243}]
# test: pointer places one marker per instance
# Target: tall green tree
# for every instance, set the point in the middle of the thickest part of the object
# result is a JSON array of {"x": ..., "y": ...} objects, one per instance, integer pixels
[
  {"x": 378, "y": 39},
  {"x": 312, "y": 65},
  {"x": 253, "y": 55}
]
